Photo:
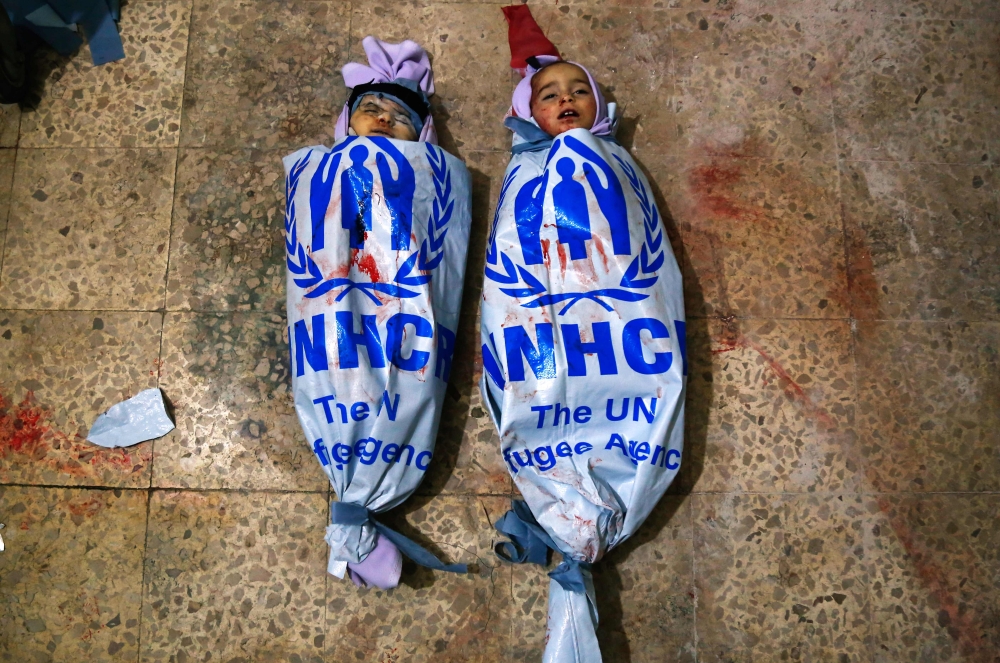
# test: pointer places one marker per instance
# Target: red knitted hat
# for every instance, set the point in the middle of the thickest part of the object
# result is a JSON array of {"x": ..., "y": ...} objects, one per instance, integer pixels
[{"x": 525, "y": 37}]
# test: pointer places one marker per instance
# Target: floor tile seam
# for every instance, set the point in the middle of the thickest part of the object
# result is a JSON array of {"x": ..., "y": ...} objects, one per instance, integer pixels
[
  {"x": 680, "y": 152},
  {"x": 824, "y": 13},
  {"x": 142, "y": 585},
  {"x": 6, "y": 220},
  {"x": 81, "y": 310},
  {"x": 162, "y": 489},
  {"x": 768, "y": 318},
  {"x": 965, "y": 321},
  {"x": 833, "y": 493},
  {"x": 913, "y": 162}
]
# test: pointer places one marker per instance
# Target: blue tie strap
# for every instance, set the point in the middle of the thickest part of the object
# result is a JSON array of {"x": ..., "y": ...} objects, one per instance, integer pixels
[
  {"x": 343, "y": 513},
  {"x": 529, "y": 543}
]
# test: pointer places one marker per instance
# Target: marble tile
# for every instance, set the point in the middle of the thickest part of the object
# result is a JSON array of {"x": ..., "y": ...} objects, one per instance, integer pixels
[
  {"x": 759, "y": 238},
  {"x": 781, "y": 578},
  {"x": 10, "y": 124},
  {"x": 979, "y": 9},
  {"x": 922, "y": 240},
  {"x": 88, "y": 229},
  {"x": 891, "y": 64},
  {"x": 629, "y": 53},
  {"x": 468, "y": 49},
  {"x": 227, "y": 251},
  {"x": 467, "y": 457},
  {"x": 134, "y": 102},
  {"x": 927, "y": 405},
  {"x": 260, "y": 77},
  {"x": 234, "y": 577},
  {"x": 229, "y": 380},
  {"x": 917, "y": 90},
  {"x": 752, "y": 84},
  {"x": 644, "y": 589},
  {"x": 969, "y": 9},
  {"x": 782, "y": 408},
  {"x": 72, "y": 574},
  {"x": 934, "y": 592},
  {"x": 431, "y": 615},
  {"x": 58, "y": 371},
  {"x": 925, "y": 135}
]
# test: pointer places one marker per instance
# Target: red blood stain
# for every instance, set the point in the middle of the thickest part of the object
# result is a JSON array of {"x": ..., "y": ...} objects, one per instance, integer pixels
[
  {"x": 712, "y": 184},
  {"x": 366, "y": 264},
  {"x": 86, "y": 508},
  {"x": 545, "y": 252},
  {"x": 599, "y": 245},
  {"x": 960, "y": 625},
  {"x": 793, "y": 390},
  {"x": 862, "y": 296},
  {"x": 561, "y": 250},
  {"x": 25, "y": 435}
]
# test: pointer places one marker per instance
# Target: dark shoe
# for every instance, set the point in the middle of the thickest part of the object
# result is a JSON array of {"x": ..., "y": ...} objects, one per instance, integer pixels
[{"x": 12, "y": 79}]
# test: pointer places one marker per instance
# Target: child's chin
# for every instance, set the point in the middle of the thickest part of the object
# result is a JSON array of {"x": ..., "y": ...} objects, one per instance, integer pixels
[{"x": 569, "y": 127}]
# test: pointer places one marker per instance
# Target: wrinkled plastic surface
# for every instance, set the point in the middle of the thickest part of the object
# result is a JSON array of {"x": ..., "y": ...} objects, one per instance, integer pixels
[
  {"x": 140, "y": 418},
  {"x": 584, "y": 356},
  {"x": 376, "y": 237}
]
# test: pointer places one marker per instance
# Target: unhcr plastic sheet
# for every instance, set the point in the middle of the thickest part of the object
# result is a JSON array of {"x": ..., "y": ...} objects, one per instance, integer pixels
[
  {"x": 584, "y": 364},
  {"x": 376, "y": 236}
]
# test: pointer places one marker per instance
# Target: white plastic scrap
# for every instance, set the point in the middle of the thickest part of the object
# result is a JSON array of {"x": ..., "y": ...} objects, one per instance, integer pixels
[
  {"x": 140, "y": 418},
  {"x": 1, "y": 538}
]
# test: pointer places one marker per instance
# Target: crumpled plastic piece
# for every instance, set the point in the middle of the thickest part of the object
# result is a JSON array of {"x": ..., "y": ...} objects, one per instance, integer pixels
[
  {"x": 140, "y": 418},
  {"x": 1, "y": 538}
]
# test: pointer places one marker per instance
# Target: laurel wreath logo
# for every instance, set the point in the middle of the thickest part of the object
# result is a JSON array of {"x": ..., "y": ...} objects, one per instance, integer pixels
[
  {"x": 426, "y": 259},
  {"x": 641, "y": 272}
]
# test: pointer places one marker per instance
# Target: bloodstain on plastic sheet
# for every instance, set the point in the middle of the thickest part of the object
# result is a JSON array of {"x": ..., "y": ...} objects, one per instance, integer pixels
[
  {"x": 27, "y": 437},
  {"x": 366, "y": 263}
]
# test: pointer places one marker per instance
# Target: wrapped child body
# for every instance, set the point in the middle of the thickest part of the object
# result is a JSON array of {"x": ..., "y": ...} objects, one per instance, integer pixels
[
  {"x": 584, "y": 359},
  {"x": 376, "y": 236}
]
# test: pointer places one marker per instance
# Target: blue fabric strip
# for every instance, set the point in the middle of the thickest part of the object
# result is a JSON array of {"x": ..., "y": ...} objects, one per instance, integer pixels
[
  {"x": 102, "y": 34},
  {"x": 342, "y": 513},
  {"x": 535, "y": 139},
  {"x": 530, "y": 543},
  {"x": 96, "y": 17}
]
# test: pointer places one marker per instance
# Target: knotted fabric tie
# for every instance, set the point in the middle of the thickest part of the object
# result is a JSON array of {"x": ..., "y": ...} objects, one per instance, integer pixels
[
  {"x": 530, "y": 543},
  {"x": 343, "y": 513}
]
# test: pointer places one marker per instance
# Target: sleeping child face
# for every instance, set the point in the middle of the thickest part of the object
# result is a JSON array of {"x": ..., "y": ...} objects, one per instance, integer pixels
[
  {"x": 561, "y": 99},
  {"x": 382, "y": 117}
]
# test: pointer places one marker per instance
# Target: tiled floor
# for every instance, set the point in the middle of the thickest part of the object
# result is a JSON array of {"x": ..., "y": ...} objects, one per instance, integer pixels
[{"x": 829, "y": 174}]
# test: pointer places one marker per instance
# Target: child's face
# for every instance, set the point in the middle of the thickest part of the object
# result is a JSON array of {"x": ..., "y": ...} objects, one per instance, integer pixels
[
  {"x": 561, "y": 99},
  {"x": 382, "y": 117}
]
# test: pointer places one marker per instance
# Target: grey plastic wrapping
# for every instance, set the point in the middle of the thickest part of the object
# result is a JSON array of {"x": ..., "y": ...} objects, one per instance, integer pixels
[
  {"x": 140, "y": 418},
  {"x": 376, "y": 238},
  {"x": 584, "y": 357}
]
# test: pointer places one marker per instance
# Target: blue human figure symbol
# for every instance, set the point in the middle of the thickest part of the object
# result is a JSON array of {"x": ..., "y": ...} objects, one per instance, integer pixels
[
  {"x": 398, "y": 192},
  {"x": 569, "y": 199},
  {"x": 356, "y": 185},
  {"x": 610, "y": 198},
  {"x": 320, "y": 191},
  {"x": 528, "y": 217}
]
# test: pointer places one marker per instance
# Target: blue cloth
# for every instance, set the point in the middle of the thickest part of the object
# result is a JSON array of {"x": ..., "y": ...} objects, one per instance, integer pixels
[
  {"x": 96, "y": 17},
  {"x": 342, "y": 513},
  {"x": 530, "y": 543}
]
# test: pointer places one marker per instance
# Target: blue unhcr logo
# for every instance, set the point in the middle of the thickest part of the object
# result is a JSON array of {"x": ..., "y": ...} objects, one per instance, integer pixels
[
  {"x": 573, "y": 228},
  {"x": 357, "y": 196}
]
